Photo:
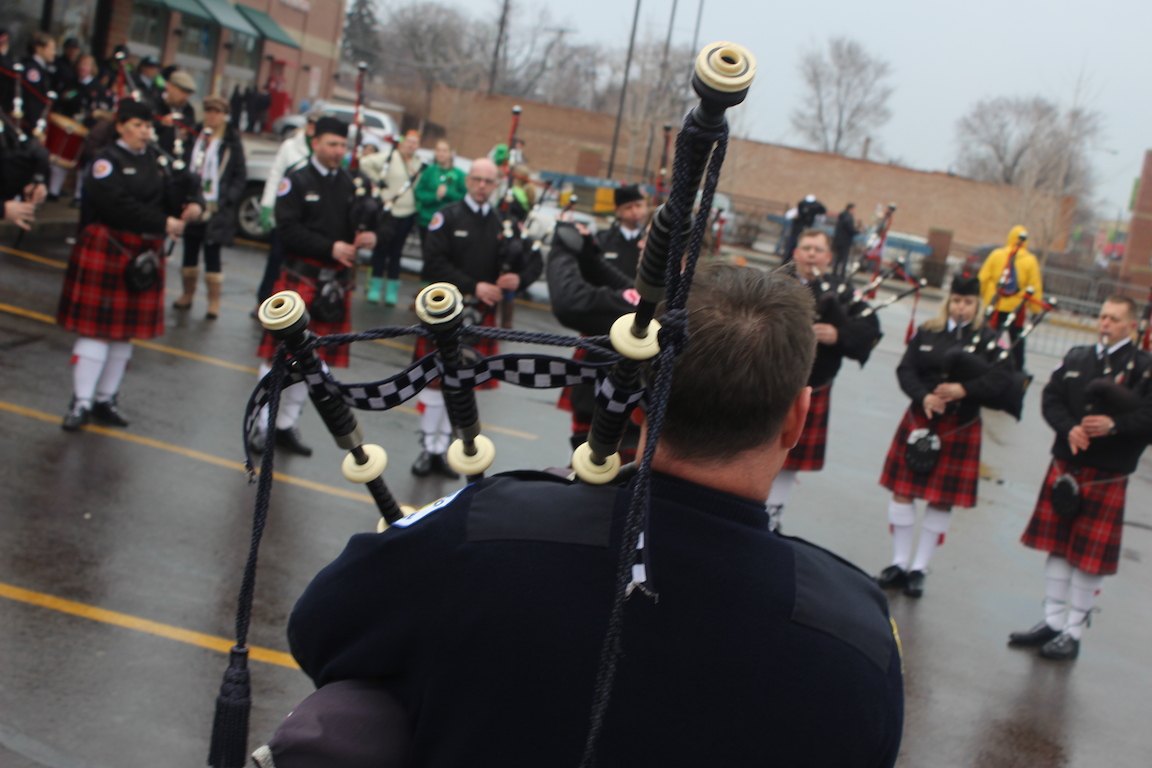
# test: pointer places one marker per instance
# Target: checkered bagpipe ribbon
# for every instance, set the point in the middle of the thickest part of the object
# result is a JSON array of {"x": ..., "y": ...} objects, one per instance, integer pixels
[{"x": 523, "y": 370}]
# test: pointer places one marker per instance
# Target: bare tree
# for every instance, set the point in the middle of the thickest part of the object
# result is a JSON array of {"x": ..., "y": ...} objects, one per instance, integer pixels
[
  {"x": 846, "y": 97},
  {"x": 1035, "y": 145},
  {"x": 361, "y": 30}
]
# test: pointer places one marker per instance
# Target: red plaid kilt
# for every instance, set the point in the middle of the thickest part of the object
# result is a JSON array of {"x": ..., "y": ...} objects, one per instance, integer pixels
[
  {"x": 808, "y": 453},
  {"x": 95, "y": 300},
  {"x": 954, "y": 480},
  {"x": 1091, "y": 541},
  {"x": 336, "y": 357},
  {"x": 486, "y": 347}
]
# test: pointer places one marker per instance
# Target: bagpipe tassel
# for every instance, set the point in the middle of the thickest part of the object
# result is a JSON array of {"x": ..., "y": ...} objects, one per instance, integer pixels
[{"x": 229, "y": 746}]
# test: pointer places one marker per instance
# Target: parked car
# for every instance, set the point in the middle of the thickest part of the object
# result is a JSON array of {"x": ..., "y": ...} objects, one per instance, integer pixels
[
  {"x": 258, "y": 155},
  {"x": 377, "y": 124}
]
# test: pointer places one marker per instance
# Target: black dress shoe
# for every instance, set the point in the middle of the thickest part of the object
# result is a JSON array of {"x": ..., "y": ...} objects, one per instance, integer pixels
[
  {"x": 108, "y": 414},
  {"x": 422, "y": 467},
  {"x": 892, "y": 577},
  {"x": 441, "y": 467},
  {"x": 290, "y": 439},
  {"x": 1037, "y": 636},
  {"x": 1063, "y": 647},
  {"x": 76, "y": 417},
  {"x": 915, "y": 585}
]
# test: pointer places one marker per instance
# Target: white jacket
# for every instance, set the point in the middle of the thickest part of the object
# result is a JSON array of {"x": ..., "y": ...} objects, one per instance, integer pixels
[
  {"x": 292, "y": 151},
  {"x": 395, "y": 177}
]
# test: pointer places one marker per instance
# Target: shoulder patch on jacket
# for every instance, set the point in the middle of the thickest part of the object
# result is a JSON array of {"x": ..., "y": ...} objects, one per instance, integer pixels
[
  {"x": 534, "y": 508},
  {"x": 436, "y": 222},
  {"x": 837, "y": 598},
  {"x": 284, "y": 188},
  {"x": 101, "y": 169},
  {"x": 33, "y": 75},
  {"x": 424, "y": 511}
]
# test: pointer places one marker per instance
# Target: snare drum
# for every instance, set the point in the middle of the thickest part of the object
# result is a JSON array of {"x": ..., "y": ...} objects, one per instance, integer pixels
[{"x": 64, "y": 139}]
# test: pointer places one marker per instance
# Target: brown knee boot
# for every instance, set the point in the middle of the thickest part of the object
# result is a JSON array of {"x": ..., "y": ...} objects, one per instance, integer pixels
[
  {"x": 190, "y": 275},
  {"x": 215, "y": 282}
]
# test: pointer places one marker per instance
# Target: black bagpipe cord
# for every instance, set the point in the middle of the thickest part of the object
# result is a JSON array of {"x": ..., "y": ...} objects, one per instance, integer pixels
[
  {"x": 229, "y": 741},
  {"x": 673, "y": 338}
]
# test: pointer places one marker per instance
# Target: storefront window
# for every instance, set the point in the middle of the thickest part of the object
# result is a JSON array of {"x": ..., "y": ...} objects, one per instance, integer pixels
[
  {"x": 245, "y": 51},
  {"x": 148, "y": 24},
  {"x": 199, "y": 38}
]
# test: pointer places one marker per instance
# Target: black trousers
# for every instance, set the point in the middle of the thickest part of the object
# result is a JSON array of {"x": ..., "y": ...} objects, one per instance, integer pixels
[{"x": 192, "y": 243}]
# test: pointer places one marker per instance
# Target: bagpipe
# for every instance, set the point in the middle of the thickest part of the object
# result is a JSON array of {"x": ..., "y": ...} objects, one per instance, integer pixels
[
  {"x": 723, "y": 73},
  {"x": 358, "y": 116},
  {"x": 508, "y": 305},
  {"x": 844, "y": 303}
]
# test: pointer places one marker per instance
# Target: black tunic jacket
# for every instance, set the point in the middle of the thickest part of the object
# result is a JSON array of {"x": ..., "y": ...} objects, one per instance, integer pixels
[
  {"x": 485, "y": 614},
  {"x": 924, "y": 367},
  {"x": 1063, "y": 408},
  {"x": 585, "y": 290},
  {"x": 314, "y": 212},
  {"x": 464, "y": 247},
  {"x": 619, "y": 251},
  {"x": 135, "y": 192},
  {"x": 857, "y": 336}
]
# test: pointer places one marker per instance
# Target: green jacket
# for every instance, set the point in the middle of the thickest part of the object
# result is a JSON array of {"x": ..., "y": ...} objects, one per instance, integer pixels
[{"x": 430, "y": 180}]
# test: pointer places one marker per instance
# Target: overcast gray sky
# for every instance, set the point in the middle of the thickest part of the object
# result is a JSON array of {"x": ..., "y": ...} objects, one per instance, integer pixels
[{"x": 945, "y": 55}]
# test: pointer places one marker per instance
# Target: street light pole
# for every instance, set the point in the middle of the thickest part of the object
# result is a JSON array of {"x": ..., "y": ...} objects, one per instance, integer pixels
[{"x": 623, "y": 90}]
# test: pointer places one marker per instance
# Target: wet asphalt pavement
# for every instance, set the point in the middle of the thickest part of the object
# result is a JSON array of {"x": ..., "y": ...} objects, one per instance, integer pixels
[{"x": 121, "y": 550}]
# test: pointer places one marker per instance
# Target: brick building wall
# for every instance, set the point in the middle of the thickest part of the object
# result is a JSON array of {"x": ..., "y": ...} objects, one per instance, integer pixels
[
  {"x": 1138, "y": 251},
  {"x": 975, "y": 212}
]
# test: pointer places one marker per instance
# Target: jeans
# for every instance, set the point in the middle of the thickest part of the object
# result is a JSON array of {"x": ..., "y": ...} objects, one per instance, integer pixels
[{"x": 192, "y": 245}]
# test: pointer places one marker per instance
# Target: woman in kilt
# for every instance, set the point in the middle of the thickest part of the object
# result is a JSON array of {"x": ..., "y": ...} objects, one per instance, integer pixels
[
  {"x": 113, "y": 289},
  {"x": 951, "y": 410},
  {"x": 1099, "y": 402}
]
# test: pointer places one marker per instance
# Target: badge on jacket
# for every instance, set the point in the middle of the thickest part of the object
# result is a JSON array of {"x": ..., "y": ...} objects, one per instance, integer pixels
[
  {"x": 436, "y": 222},
  {"x": 101, "y": 169},
  {"x": 285, "y": 187}
]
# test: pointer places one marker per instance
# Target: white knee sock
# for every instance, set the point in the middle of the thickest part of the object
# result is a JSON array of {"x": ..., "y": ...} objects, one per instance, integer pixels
[
  {"x": 291, "y": 403},
  {"x": 1057, "y": 577},
  {"x": 901, "y": 521},
  {"x": 932, "y": 530},
  {"x": 1085, "y": 587},
  {"x": 88, "y": 359},
  {"x": 119, "y": 353},
  {"x": 434, "y": 421},
  {"x": 781, "y": 488},
  {"x": 56, "y": 176}
]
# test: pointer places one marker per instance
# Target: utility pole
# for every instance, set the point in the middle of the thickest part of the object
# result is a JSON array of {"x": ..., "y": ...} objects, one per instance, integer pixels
[
  {"x": 660, "y": 88},
  {"x": 496, "y": 51},
  {"x": 623, "y": 90}
]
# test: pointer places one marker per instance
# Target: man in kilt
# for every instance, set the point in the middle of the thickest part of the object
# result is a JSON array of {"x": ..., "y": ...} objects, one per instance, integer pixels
[
  {"x": 838, "y": 335},
  {"x": 114, "y": 287},
  {"x": 945, "y": 403},
  {"x": 588, "y": 294},
  {"x": 1099, "y": 402},
  {"x": 323, "y": 221},
  {"x": 465, "y": 246}
]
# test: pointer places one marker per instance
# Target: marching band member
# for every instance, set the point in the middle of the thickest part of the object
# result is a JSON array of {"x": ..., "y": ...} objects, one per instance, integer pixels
[
  {"x": 114, "y": 287},
  {"x": 465, "y": 246},
  {"x": 838, "y": 336},
  {"x": 1099, "y": 402},
  {"x": 620, "y": 243},
  {"x": 39, "y": 77},
  {"x": 484, "y": 614},
  {"x": 217, "y": 158},
  {"x": 952, "y": 411},
  {"x": 322, "y": 225}
]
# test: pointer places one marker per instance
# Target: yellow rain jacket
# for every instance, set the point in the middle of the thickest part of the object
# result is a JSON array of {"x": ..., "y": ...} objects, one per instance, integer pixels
[{"x": 1026, "y": 269}]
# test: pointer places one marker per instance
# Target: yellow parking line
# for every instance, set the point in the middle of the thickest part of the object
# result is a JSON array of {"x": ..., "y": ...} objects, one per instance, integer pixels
[
  {"x": 225, "y": 364},
  {"x": 207, "y": 458},
  {"x": 127, "y": 621},
  {"x": 251, "y": 243},
  {"x": 34, "y": 257}
]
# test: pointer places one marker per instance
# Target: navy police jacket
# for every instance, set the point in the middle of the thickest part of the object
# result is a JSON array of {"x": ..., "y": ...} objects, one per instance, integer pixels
[{"x": 485, "y": 612}]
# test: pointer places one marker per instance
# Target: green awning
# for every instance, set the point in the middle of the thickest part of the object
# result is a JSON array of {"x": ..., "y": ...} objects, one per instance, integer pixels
[
  {"x": 228, "y": 17},
  {"x": 186, "y": 7},
  {"x": 267, "y": 26}
]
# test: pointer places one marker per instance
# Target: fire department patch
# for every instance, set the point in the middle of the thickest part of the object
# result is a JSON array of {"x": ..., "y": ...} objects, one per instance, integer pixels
[
  {"x": 285, "y": 187},
  {"x": 437, "y": 222},
  {"x": 33, "y": 76},
  {"x": 101, "y": 169}
]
